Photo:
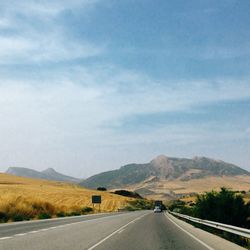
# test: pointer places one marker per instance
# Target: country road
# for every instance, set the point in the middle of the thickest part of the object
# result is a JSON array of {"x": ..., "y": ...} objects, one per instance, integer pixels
[{"x": 117, "y": 231}]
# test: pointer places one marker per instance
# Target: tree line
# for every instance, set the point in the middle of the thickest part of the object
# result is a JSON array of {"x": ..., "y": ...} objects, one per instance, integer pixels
[{"x": 224, "y": 206}]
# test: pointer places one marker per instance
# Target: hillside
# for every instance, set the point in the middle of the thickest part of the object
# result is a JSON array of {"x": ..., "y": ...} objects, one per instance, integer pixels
[
  {"x": 48, "y": 174},
  {"x": 170, "y": 177},
  {"x": 21, "y": 193}
]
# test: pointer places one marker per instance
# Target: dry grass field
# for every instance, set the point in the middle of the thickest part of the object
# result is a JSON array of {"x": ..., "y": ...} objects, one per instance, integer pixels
[
  {"x": 163, "y": 189},
  {"x": 210, "y": 183},
  {"x": 30, "y": 197}
]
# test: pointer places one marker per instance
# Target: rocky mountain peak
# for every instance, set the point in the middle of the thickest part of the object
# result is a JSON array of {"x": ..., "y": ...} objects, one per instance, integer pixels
[
  {"x": 163, "y": 169},
  {"x": 163, "y": 166},
  {"x": 161, "y": 161},
  {"x": 49, "y": 171}
]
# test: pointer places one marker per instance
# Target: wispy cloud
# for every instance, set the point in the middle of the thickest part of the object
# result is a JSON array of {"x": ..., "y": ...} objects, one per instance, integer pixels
[
  {"x": 81, "y": 112},
  {"x": 102, "y": 98},
  {"x": 31, "y": 34},
  {"x": 44, "y": 8},
  {"x": 39, "y": 48}
]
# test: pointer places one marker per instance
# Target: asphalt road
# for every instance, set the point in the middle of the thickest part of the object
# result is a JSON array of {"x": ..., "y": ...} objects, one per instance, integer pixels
[
  {"x": 11, "y": 229},
  {"x": 135, "y": 230}
]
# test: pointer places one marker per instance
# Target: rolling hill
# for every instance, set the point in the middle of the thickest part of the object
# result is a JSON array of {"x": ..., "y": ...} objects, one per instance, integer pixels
[
  {"x": 48, "y": 174},
  {"x": 168, "y": 177}
]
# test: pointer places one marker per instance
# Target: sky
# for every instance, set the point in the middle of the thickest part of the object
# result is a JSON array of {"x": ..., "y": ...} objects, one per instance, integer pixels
[{"x": 90, "y": 85}]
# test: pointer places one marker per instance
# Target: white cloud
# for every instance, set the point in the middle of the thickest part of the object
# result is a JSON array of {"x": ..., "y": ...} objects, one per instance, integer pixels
[
  {"x": 69, "y": 118},
  {"x": 4, "y": 23},
  {"x": 36, "y": 36},
  {"x": 149, "y": 97},
  {"x": 44, "y": 8},
  {"x": 97, "y": 99},
  {"x": 39, "y": 48}
]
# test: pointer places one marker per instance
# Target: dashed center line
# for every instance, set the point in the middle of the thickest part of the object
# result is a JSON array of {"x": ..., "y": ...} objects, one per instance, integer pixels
[
  {"x": 69, "y": 224},
  {"x": 117, "y": 231},
  {"x": 31, "y": 232}
]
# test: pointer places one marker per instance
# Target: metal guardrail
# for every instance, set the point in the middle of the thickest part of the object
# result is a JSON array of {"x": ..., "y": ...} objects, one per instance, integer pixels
[{"x": 224, "y": 227}]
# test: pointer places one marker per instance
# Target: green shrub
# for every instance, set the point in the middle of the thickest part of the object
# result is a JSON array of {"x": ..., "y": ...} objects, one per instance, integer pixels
[
  {"x": 74, "y": 213},
  {"x": 140, "y": 204},
  {"x": 44, "y": 216},
  {"x": 3, "y": 217},
  {"x": 60, "y": 214},
  {"x": 20, "y": 217},
  {"x": 87, "y": 209},
  {"x": 224, "y": 206},
  {"x": 130, "y": 208},
  {"x": 127, "y": 193}
]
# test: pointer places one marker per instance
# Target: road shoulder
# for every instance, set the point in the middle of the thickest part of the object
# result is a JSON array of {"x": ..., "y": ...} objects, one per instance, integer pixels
[{"x": 211, "y": 240}]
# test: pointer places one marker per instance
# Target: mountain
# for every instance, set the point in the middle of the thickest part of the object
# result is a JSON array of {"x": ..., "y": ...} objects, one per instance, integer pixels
[
  {"x": 53, "y": 175},
  {"x": 48, "y": 174},
  {"x": 150, "y": 177}
]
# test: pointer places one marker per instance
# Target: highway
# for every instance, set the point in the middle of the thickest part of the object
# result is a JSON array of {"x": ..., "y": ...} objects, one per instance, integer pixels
[{"x": 116, "y": 231}]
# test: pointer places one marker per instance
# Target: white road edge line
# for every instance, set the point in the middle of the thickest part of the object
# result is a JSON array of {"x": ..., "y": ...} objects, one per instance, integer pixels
[
  {"x": 63, "y": 225},
  {"x": 116, "y": 231},
  {"x": 121, "y": 231},
  {"x": 5, "y": 238},
  {"x": 20, "y": 234},
  {"x": 191, "y": 235}
]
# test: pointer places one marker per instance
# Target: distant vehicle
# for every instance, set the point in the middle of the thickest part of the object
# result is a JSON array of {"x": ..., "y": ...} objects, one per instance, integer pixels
[
  {"x": 158, "y": 203},
  {"x": 157, "y": 209}
]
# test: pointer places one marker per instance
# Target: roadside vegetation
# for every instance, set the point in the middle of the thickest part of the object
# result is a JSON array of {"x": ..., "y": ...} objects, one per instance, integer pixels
[
  {"x": 225, "y": 206},
  {"x": 127, "y": 193},
  {"x": 140, "y": 204}
]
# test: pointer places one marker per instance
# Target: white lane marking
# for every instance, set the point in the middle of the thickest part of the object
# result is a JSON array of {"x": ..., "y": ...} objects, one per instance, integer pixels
[
  {"x": 64, "y": 225},
  {"x": 191, "y": 235},
  {"x": 61, "y": 226},
  {"x": 116, "y": 231},
  {"x": 5, "y": 238},
  {"x": 54, "y": 219},
  {"x": 121, "y": 231},
  {"x": 20, "y": 234}
]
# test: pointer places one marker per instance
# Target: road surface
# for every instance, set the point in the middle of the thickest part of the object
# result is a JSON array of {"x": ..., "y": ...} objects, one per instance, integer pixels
[{"x": 118, "y": 231}]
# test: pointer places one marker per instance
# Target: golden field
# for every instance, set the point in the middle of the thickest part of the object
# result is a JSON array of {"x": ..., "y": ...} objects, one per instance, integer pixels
[{"x": 24, "y": 195}]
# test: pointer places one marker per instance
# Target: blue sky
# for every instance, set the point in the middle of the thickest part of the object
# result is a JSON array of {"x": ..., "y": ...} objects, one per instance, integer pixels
[{"x": 90, "y": 85}]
